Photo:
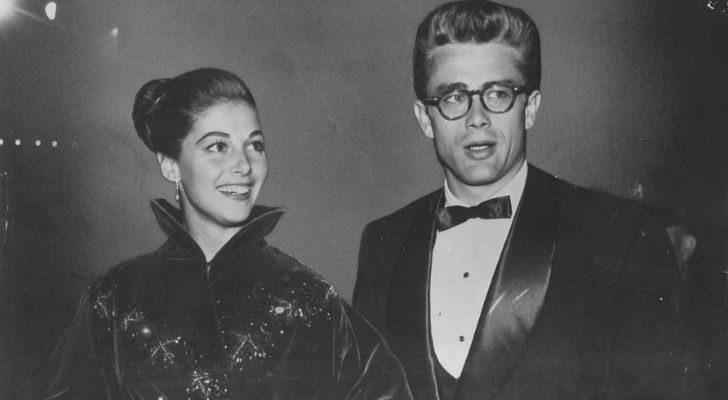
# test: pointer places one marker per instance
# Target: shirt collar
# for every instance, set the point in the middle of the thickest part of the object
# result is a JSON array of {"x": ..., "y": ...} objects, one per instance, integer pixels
[
  {"x": 513, "y": 188},
  {"x": 257, "y": 226}
]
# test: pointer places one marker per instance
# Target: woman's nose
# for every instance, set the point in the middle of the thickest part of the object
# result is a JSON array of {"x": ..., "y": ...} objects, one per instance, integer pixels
[{"x": 240, "y": 165}]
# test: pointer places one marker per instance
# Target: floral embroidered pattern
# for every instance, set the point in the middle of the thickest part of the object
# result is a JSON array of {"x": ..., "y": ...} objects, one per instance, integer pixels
[
  {"x": 207, "y": 386},
  {"x": 165, "y": 352},
  {"x": 277, "y": 306},
  {"x": 101, "y": 305}
]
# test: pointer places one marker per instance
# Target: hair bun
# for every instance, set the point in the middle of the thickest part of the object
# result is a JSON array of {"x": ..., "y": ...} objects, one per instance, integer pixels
[{"x": 146, "y": 104}]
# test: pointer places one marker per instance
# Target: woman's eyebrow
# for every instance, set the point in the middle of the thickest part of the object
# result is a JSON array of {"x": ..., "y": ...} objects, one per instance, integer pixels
[{"x": 213, "y": 133}]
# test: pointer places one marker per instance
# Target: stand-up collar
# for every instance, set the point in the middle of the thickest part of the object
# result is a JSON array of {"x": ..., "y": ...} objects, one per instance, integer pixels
[{"x": 257, "y": 226}]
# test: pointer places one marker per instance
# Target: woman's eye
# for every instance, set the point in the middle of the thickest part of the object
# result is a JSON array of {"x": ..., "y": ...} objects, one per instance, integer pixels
[
  {"x": 216, "y": 147},
  {"x": 257, "y": 145}
]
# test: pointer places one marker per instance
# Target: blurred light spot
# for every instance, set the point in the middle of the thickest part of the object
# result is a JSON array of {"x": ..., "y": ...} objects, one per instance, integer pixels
[
  {"x": 37, "y": 142},
  {"x": 6, "y": 8},
  {"x": 114, "y": 32},
  {"x": 54, "y": 143},
  {"x": 17, "y": 142},
  {"x": 50, "y": 10},
  {"x": 637, "y": 191},
  {"x": 1, "y": 142}
]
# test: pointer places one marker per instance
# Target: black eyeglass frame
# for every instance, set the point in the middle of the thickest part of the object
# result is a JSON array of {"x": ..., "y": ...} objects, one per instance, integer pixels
[{"x": 517, "y": 90}]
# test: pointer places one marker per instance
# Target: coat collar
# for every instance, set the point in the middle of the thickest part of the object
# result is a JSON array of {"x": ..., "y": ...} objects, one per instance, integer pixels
[
  {"x": 256, "y": 227},
  {"x": 408, "y": 317},
  {"x": 517, "y": 293}
]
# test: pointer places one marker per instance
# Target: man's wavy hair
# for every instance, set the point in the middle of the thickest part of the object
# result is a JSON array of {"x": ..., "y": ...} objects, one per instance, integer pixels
[{"x": 477, "y": 21}]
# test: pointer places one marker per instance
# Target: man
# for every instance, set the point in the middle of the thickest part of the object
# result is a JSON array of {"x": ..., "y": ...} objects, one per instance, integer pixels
[{"x": 546, "y": 290}]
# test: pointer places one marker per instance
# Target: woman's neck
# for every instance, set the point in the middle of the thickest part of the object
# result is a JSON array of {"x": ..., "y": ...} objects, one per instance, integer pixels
[{"x": 210, "y": 237}]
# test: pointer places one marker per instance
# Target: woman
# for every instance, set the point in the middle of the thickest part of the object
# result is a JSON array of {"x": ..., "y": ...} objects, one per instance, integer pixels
[{"x": 216, "y": 313}]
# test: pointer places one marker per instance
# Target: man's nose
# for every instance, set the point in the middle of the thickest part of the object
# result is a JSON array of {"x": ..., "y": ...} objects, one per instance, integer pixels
[{"x": 478, "y": 115}]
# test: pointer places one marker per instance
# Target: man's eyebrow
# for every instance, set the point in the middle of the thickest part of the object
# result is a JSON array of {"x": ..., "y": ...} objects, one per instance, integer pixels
[
  {"x": 449, "y": 87},
  {"x": 506, "y": 81},
  {"x": 255, "y": 134},
  {"x": 213, "y": 133}
]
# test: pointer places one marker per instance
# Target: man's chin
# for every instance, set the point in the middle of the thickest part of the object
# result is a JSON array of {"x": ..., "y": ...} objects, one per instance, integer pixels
[
  {"x": 482, "y": 178},
  {"x": 488, "y": 175}
]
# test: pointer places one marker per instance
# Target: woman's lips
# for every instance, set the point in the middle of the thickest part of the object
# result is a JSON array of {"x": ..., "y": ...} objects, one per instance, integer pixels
[{"x": 236, "y": 191}]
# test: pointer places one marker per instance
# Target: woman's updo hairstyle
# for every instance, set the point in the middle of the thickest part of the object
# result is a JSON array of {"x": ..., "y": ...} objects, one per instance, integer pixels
[{"x": 165, "y": 109}]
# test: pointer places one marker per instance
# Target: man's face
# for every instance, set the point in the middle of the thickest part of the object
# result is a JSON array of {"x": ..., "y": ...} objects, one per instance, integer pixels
[{"x": 481, "y": 151}]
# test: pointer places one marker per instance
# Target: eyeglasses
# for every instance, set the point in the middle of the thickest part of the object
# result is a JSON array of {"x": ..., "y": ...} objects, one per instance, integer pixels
[{"x": 496, "y": 98}]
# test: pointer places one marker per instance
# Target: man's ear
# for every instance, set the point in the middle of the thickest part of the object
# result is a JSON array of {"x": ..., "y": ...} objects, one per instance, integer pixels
[
  {"x": 534, "y": 101},
  {"x": 168, "y": 167},
  {"x": 424, "y": 119}
]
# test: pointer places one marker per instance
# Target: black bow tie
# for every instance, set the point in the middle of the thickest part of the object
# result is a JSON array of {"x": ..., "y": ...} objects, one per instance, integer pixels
[{"x": 499, "y": 207}]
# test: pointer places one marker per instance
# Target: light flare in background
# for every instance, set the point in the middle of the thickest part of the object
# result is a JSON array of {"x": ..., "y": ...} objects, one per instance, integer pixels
[
  {"x": 50, "y": 10},
  {"x": 6, "y": 8}
]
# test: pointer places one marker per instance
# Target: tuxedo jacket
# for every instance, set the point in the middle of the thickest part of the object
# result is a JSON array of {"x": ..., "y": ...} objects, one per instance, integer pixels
[{"x": 583, "y": 303}]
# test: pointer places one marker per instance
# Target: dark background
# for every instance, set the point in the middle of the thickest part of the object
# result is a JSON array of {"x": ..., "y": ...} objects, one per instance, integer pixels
[{"x": 635, "y": 97}]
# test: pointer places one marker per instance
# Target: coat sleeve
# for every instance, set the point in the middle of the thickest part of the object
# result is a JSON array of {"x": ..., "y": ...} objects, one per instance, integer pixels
[
  {"x": 75, "y": 369},
  {"x": 365, "y": 299},
  {"x": 368, "y": 370},
  {"x": 651, "y": 353},
  {"x": 379, "y": 247}
]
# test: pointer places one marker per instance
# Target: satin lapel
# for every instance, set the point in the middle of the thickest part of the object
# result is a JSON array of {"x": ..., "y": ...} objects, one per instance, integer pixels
[
  {"x": 516, "y": 294},
  {"x": 407, "y": 305}
]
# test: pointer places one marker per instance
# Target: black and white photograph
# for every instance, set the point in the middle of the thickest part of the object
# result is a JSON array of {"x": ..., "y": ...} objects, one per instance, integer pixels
[{"x": 364, "y": 200}]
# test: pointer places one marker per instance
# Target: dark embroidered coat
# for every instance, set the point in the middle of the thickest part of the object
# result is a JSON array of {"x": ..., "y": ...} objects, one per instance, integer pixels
[{"x": 253, "y": 323}]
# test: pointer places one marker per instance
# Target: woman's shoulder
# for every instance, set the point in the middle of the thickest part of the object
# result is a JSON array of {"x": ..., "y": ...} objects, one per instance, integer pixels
[
  {"x": 123, "y": 274},
  {"x": 293, "y": 283},
  {"x": 290, "y": 269}
]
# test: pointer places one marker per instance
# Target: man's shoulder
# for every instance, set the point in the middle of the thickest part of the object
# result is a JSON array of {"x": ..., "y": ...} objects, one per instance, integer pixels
[
  {"x": 594, "y": 211},
  {"x": 599, "y": 204},
  {"x": 403, "y": 217},
  {"x": 579, "y": 200}
]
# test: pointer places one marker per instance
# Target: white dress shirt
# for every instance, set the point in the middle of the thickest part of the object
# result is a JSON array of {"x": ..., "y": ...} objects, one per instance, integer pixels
[{"x": 464, "y": 260}]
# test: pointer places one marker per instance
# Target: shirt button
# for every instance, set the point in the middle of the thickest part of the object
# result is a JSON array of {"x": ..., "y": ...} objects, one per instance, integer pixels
[
  {"x": 467, "y": 274},
  {"x": 462, "y": 338}
]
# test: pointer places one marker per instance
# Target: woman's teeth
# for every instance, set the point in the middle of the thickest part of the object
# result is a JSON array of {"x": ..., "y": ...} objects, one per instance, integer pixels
[{"x": 237, "y": 190}]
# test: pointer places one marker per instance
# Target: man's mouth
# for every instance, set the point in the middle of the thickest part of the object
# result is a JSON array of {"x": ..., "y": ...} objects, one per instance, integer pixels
[
  {"x": 479, "y": 146},
  {"x": 480, "y": 150}
]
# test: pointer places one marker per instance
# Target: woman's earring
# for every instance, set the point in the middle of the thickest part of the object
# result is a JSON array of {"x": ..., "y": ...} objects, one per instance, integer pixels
[{"x": 176, "y": 194}]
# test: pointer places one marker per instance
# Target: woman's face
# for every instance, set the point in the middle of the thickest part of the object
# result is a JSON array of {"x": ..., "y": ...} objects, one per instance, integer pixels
[{"x": 221, "y": 167}]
